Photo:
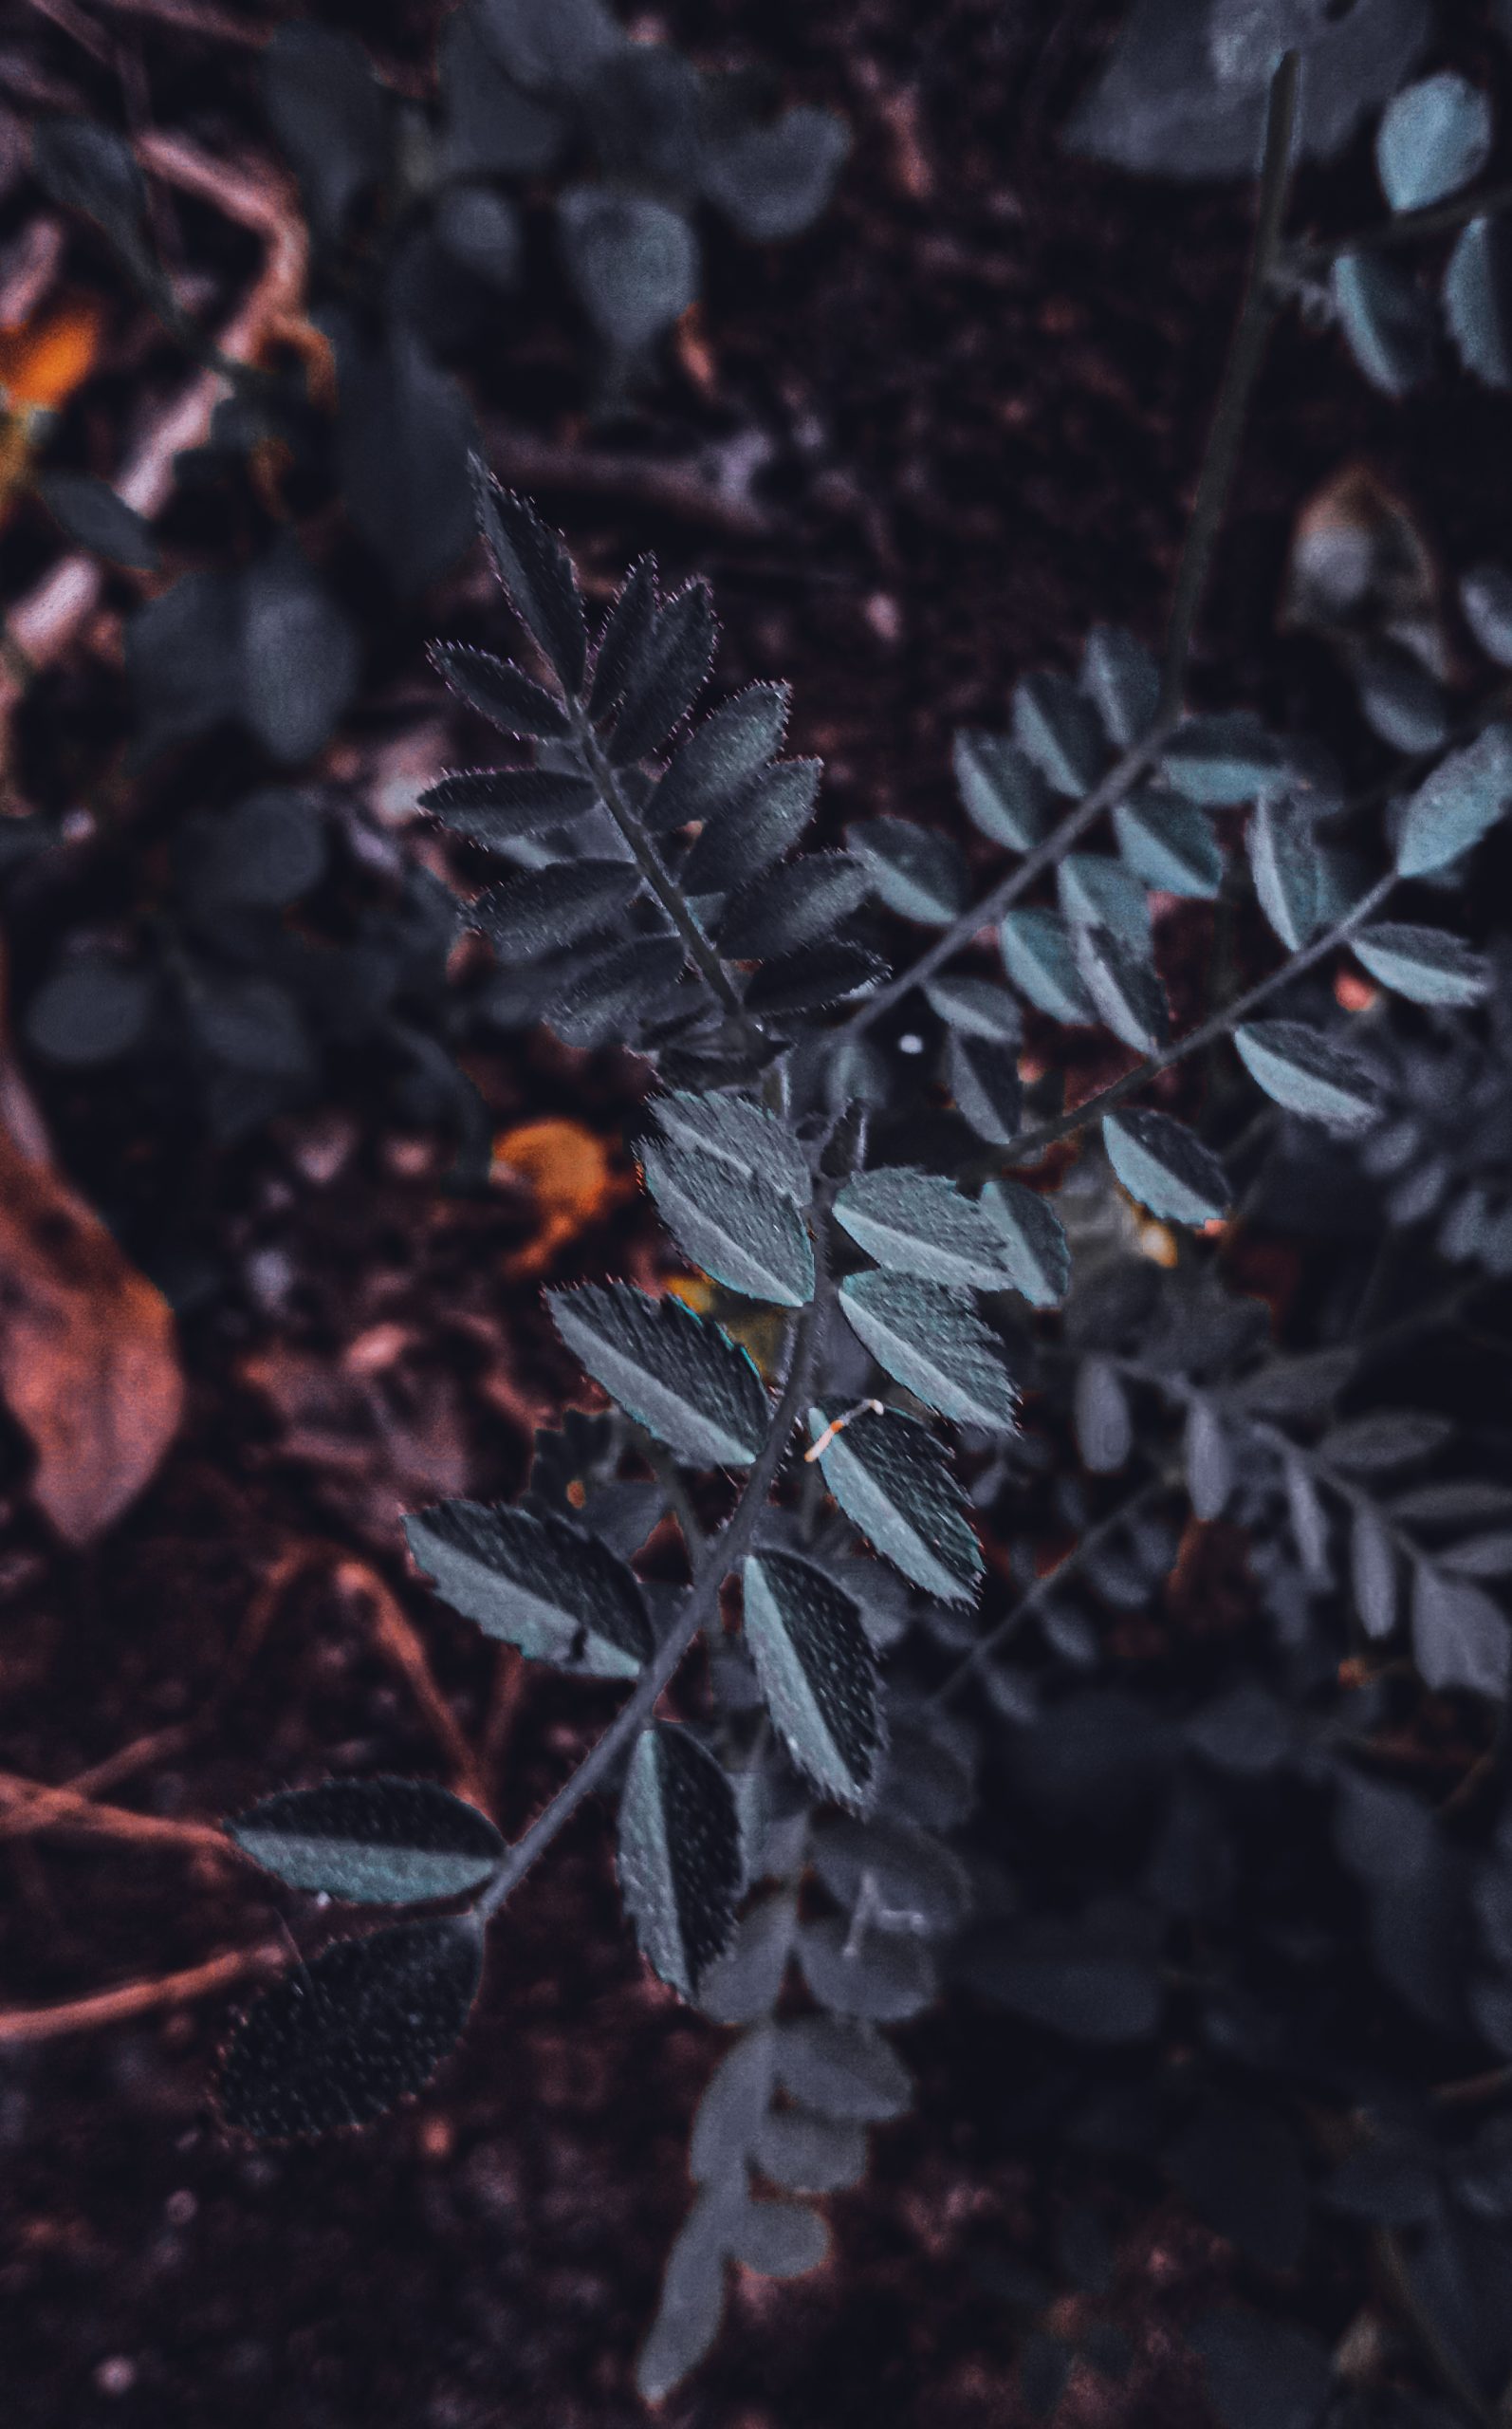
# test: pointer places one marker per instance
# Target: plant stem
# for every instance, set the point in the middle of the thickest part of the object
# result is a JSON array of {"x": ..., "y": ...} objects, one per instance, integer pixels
[
  {"x": 648, "y": 860},
  {"x": 729, "y": 1548},
  {"x": 1120, "y": 778},
  {"x": 1256, "y": 312},
  {"x": 1029, "y": 1142},
  {"x": 1406, "y": 227}
]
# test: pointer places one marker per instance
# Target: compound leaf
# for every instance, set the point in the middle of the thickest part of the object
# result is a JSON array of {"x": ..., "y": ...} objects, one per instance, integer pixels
[
  {"x": 534, "y": 1582},
  {"x": 682, "y": 1378},
  {"x": 680, "y": 1854},
  {"x": 378, "y": 1841}
]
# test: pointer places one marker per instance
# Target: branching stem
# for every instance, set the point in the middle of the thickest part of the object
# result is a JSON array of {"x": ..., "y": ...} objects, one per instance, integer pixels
[
  {"x": 649, "y": 862},
  {"x": 1406, "y": 227}
]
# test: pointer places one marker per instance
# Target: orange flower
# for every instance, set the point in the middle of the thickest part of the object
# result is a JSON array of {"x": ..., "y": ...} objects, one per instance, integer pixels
[
  {"x": 43, "y": 363},
  {"x": 567, "y": 1166}
]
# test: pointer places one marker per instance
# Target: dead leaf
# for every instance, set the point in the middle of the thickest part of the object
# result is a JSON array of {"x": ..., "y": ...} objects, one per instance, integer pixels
[{"x": 88, "y": 1360}]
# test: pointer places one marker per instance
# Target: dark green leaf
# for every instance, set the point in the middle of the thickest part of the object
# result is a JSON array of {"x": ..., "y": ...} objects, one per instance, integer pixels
[
  {"x": 489, "y": 127},
  {"x": 1283, "y": 845},
  {"x": 499, "y": 804},
  {"x": 547, "y": 45},
  {"x": 1097, "y": 891},
  {"x": 559, "y": 1595},
  {"x": 916, "y": 871},
  {"x": 1103, "y": 1422},
  {"x": 364, "y": 2025},
  {"x": 745, "y": 1232},
  {"x": 718, "y": 758},
  {"x": 633, "y": 261},
  {"x": 1004, "y": 792},
  {"x": 1032, "y": 1241},
  {"x": 607, "y": 1003},
  {"x": 931, "y": 1339},
  {"x": 498, "y": 692},
  {"x": 268, "y": 850},
  {"x": 300, "y": 655},
  {"x": 669, "y": 671},
  {"x": 402, "y": 439},
  {"x": 1460, "y": 1637},
  {"x": 680, "y": 1854},
  {"x": 378, "y": 1841},
  {"x": 812, "y": 980},
  {"x": 917, "y": 1222},
  {"x": 765, "y": 819},
  {"x": 331, "y": 116},
  {"x": 480, "y": 231},
  {"x": 1166, "y": 1167},
  {"x": 1302, "y": 1069},
  {"x": 895, "y": 1482},
  {"x": 794, "y": 907},
  {"x": 626, "y": 630},
  {"x": 537, "y": 574},
  {"x": 682, "y": 1378},
  {"x": 1059, "y": 728},
  {"x": 93, "y": 516},
  {"x": 552, "y": 906},
  {"x": 818, "y": 1673}
]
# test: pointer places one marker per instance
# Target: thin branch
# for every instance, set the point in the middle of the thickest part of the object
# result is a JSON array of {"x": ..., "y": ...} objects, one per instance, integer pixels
[
  {"x": 1256, "y": 313},
  {"x": 730, "y": 1547},
  {"x": 1030, "y": 1142},
  {"x": 139, "y": 1998},
  {"x": 30, "y": 1805},
  {"x": 1406, "y": 227}
]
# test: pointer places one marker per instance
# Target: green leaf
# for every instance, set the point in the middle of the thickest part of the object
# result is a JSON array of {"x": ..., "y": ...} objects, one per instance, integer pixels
[
  {"x": 667, "y": 673},
  {"x": 810, "y": 980},
  {"x": 1099, "y": 892},
  {"x": 1169, "y": 843},
  {"x": 895, "y": 1482},
  {"x": 622, "y": 641},
  {"x": 799, "y": 906},
  {"x": 537, "y": 573},
  {"x": 881, "y": 1977},
  {"x": 680, "y": 1854},
  {"x": 547, "y": 908},
  {"x": 1459, "y": 803},
  {"x": 633, "y": 259},
  {"x": 1388, "y": 322},
  {"x": 742, "y": 1135},
  {"x": 841, "y": 2067},
  {"x": 983, "y": 1078},
  {"x": 1123, "y": 987},
  {"x": 931, "y": 1339},
  {"x": 1460, "y": 1637},
  {"x": 1034, "y": 1247},
  {"x": 1222, "y": 761},
  {"x": 1302, "y": 1069},
  {"x": 94, "y": 517},
  {"x": 734, "y": 1223},
  {"x": 916, "y": 871},
  {"x": 535, "y": 1581},
  {"x": 498, "y": 692},
  {"x": 493, "y": 805},
  {"x": 363, "y": 2026},
  {"x": 1281, "y": 842},
  {"x": 1166, "y": 1167},
  {"x": 604, "y": 1003},
  {"x": 1427, "y": 965},
  {"x": 378, "y": 1841},
  {"x": 1003, "y": 791},
  {"x": 1037, "y": 954},
  {"x": 1479, "y": 299},
  {"x": 1059, "y": 728},
  {"x": 1432, "y": 138},
  {"x": 818, "y": 1673},
  {"x": 684, "y": 1380},
  {"x": 1120, "y": 676},
  {"x": 720, "y": 755},
  {"x": 917, "y": 1222},
  {"x": 765, "y": 820},
  {"x": 974, "y": 1008}
]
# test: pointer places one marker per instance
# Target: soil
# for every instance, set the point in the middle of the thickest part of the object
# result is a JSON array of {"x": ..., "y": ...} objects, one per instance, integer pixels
[{"x": 984, "y": 380}]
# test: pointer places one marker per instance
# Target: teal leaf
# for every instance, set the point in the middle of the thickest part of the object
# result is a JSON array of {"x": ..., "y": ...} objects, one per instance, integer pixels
[
  {"x": 1166, "y": 1167},
  {"x": 916, "y": 871},
  {"x": 931, "y": 1339},
  {"x": 345, "y": 2036},
  {"x": 1169, "y": 843},
  {"x": 840, "y": 2068},
  {"x": 1459, "y": 803},
  {"x": 983, "y": 1080},
  {"x": 534, "y": 1582},
  {"x": 1304, "y": 1071},
  {"x": 1004, "y": 793},
  {"x": 740, "y": 1133},
  {"x": 917, "y": 1222},
  {"x": 1485, "y": 596},
  {"x": 818, "y": 1673},
  {"x": 974, "y": 1008},
  {"x": 498, "y": 692},
  {"x": 735, "y": 1224},
  {"x": 766, "y": 819},
  {"x": 1120, "y": 676},
  {"x": 1037, "y": 954},
  {"x": 1123, "y": 987},
  {"x": 377, "y": 1842},
  {"x": 1220, "y": 762},
  {"x": 1388, "y": 323},
  {"x": 1059, "y": 728},
  {"x": 1478, "y": 300},
  {"x": 547, "y": 908},
  {"x": 735, "y": 2102},
  {"x": 797, "y": 905},
  {"x": 1034, "y": 1247},
  {"x": 1432, "y": 138},
  {"x": 1282, "y": 847},
  {"x": 895, "y": 1482},
  {"x": 684, "y": 1380},
  {"x": 680, "y": 1871},
  {"x": 720, "y": 755},
  {"x": 1427, "y": 965},
  {"x": 1097, "y": 891}
]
